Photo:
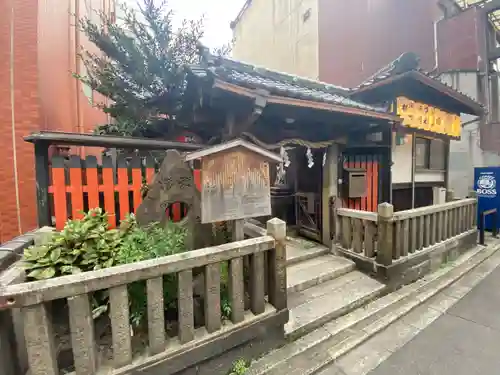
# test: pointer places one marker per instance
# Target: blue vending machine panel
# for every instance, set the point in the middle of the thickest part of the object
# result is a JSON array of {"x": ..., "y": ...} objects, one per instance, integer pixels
[{"x": 485, "y": 185}]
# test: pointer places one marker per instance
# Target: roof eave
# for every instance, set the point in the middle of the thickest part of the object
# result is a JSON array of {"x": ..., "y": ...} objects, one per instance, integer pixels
[
  {"x": 284, "y": 100},
  {"x": 474, "y": 108},
  {"x": 236, "y": 143}
]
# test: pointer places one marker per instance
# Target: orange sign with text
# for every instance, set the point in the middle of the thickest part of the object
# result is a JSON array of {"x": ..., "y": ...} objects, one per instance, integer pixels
[{"x": 425, "y": 117}]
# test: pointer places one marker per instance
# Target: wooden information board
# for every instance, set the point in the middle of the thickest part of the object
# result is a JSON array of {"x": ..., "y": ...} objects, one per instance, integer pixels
[{"x": 235, "y": 182}]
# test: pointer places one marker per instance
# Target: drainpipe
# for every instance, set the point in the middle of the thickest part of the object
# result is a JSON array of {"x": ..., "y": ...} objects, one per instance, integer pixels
[
  {"x": 13, "y": 119},
  {"x": 436, "y": 65}
]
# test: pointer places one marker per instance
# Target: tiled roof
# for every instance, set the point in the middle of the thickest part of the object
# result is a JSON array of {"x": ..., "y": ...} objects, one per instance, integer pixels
[
  {"x": 280, "y": 84},
  {"x": 406, "y": 63}
]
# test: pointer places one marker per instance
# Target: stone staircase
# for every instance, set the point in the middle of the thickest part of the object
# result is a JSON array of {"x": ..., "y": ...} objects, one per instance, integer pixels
[
  {"x": 322, "y": 287},
  {"x": 335, "y": 308}
]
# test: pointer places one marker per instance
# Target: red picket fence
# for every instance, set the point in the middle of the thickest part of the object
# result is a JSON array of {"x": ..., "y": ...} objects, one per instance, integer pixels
[
  {"x": 371, "y": 200},
  {"x": 78, "y": 185}
]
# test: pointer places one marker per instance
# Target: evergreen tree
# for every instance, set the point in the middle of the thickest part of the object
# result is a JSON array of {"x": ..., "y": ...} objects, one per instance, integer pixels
[{"x": 140, "y": 66}]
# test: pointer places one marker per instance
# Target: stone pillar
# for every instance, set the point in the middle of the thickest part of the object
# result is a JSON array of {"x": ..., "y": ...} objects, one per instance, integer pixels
[
  {"x": 277, "y": 264},
  {"x": 385, "y": 234}
]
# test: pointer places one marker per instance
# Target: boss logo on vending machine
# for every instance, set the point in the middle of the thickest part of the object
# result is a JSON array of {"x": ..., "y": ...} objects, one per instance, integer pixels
[{"x": 486, "y": 185}]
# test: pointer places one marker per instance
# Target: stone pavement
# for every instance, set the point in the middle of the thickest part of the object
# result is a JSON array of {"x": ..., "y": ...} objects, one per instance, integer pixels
[
  {"x": 463, "y": 341},
  {"x": 456, "y": 333}
]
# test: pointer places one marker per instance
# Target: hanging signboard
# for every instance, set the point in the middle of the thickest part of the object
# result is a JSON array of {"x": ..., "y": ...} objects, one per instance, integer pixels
[{"x": 428, "y": 118}]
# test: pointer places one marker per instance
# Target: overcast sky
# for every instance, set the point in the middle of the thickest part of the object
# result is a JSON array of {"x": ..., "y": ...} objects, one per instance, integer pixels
[{"x": 218, "y": 15}]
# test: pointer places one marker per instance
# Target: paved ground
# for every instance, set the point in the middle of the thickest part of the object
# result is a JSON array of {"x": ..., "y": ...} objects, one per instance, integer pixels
[{"x": 463, "y": 341}]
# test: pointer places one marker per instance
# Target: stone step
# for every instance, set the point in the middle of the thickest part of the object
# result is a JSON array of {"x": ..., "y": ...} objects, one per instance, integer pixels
[
  {"x": 297, "y": 249},
  {"x": 297, "y": 254},
  {"x": 315, "y": 271},
  {"x": 320, "y": 348},
  {"x": 312, "y": 307}
]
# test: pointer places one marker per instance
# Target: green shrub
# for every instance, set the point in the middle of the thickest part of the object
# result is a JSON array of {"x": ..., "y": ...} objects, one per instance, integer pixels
[
  {"x": 88, "y": 244},
  {"x": 83, "y": 245},
  {"x": 143, "y": 243},
  {"x": 240, "y": 367}
]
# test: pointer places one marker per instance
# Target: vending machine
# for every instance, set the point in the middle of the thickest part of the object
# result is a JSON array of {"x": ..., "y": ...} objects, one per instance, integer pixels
[{"x": 485, "y": 186}]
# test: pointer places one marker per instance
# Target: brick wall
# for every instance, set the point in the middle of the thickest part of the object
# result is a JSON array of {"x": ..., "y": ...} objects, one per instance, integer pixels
[
  {"x": 38, "y": 52},
  {"x": 65, "y": 102},
  {"x": 19, "y": 115}
]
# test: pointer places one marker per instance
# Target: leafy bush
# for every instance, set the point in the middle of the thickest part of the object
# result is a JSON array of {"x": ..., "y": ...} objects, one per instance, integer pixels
[
  {"x": 83, "y": 245},
  {"x": 146, "y": 243},
  {"x": 88, "y": 244}
]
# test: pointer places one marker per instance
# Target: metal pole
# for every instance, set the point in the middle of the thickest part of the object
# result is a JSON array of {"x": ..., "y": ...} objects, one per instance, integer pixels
[{"x": 481, "y": 228}]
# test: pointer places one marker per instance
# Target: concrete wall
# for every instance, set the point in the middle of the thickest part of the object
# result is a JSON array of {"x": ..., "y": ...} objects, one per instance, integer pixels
[
  {"x": 401, "y": 157},
  {"x": 343, "y": 42},
  {"x": 279, "y": 35},
  {"x": 359, "y": 37},
  {"x": 466, "y": 153}
]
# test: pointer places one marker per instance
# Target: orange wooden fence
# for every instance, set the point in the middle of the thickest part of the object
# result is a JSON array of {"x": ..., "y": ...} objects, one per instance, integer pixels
[
  {"x": 370, "y": 201},
  {"x": 78, "y": 185}
]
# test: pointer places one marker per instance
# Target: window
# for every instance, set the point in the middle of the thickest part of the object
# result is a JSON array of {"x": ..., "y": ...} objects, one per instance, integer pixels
[
  {"x": 422, "y": 149},
  {"x": 437, "y": 155},
  {"x": 430, "y": 154}
]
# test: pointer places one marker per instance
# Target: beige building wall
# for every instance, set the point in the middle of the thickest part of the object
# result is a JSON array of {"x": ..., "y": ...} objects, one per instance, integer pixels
[{"x": 280, "y": 35}]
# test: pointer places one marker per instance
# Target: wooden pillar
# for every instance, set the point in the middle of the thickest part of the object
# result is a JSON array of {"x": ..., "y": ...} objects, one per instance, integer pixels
[
  {"x": 386, "y": 170},
  {"x": 447, "y": 164},
  {"x": 42, "y": 183},
  {"x": 329, "y": 189}
]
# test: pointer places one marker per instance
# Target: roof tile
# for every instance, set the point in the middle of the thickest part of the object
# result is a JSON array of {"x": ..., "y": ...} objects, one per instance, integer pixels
[{"x": 281, "y": 84}]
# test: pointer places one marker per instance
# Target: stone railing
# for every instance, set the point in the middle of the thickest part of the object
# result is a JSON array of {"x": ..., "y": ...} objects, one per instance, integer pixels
[
  {"x": 378, "y": 241},
  {"x": 406, "y": 232},
  {"x": 29, "y": 303},
  {"x": 357, "y": 231},
  {"x": 12, "y": 250}
]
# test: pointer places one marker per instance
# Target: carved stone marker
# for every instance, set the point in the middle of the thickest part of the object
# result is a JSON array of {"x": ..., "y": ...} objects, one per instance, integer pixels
[
  {"x": 235, "y": 181},
  {"x": 173, "y": 183}
]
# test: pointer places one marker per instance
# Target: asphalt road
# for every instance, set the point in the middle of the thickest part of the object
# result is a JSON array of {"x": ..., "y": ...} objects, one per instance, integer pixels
[{"x": 463, "y": 341}]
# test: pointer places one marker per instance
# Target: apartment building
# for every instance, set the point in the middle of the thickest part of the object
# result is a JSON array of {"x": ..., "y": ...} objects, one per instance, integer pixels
[{"x": 348, "y": 42}]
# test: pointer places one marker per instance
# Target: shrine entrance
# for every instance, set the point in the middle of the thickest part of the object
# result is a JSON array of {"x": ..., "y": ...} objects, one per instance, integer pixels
[{"x": 308, "y": 204}]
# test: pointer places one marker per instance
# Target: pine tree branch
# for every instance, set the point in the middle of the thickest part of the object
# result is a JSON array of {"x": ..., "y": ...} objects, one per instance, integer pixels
[{"x": 140, "y": 67}]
